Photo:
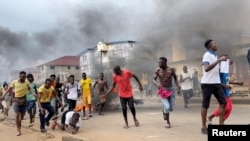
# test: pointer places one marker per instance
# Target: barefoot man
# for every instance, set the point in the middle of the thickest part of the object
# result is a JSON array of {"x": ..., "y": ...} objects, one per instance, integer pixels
[
  {"x": 21, "y": 87},
  {"x": 101, "y": 86},
  {"x": 122, "y": 79},
  {"x": 165, "y": 89},
  {"x": 31, "y": 100},
  {"x": 86, "y": 89},
  {"x": 6, "y": 99}
]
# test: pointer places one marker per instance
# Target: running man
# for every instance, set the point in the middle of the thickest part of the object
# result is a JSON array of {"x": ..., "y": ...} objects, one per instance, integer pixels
[
  {"x": 53, "y": 100},
  {"x": 21, "y": 87},
  {"x": 58, "y": 89},
  {"x": 70, "y": 122},
  {"x": 196, "y": 84},
  {"x": 64, "y": 94},
  {"x": 122, "y": 79},
  {"x": 72, "y": 92},
  {"x": 6, "y": 100},
  {"x": 101, "y": 87},
  {"x": 211, "y": 83},
  {"x": 186, "y": 86},
  {"x": 86, "y": 89},
  {"x": 31, "y": 99},
  {"x": 224, "y": 77},
  {"x": 45, "y": 92},
  {"x": 165, "y": 88}
]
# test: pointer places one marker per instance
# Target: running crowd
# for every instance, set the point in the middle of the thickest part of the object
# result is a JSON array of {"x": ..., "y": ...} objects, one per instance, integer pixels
[{"x": 53, "y": 96}]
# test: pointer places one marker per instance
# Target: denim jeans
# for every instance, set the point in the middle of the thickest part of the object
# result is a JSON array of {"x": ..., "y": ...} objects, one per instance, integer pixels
[
  {"x": 43, "y": 119},
  {"x": 31, "y": 106},
  {"x": 187, "y": 94},
  {"x": 172, "y": 102},
  {"x": 169, "y": 103},
  {"x": 72, "y": 104}
]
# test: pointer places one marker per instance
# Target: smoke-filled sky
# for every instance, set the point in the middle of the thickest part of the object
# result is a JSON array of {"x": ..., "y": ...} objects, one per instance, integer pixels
[{"x": 33, "y": 32}]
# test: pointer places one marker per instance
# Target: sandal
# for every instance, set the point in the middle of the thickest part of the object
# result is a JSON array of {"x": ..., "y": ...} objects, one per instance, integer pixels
[
  {"x": 137, "y": 123},
  {"x": 168, "y": 125}
]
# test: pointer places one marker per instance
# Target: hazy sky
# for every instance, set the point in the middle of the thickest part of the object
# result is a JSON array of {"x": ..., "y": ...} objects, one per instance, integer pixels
[
  {"x": 36, "y": 31},
  {"x": 39, "y": 15},
  {"x": 33, "y": 32}
]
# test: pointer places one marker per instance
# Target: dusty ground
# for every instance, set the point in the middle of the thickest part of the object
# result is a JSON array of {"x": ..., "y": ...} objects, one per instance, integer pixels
[{"x": 186, "y": 125}]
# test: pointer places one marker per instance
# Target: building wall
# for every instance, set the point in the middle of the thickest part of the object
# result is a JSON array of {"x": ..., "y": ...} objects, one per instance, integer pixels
[
  {"x": 62, "y": 71},
  {"x": 90, "y": 63},
  {"x": 105, "y": 57}
]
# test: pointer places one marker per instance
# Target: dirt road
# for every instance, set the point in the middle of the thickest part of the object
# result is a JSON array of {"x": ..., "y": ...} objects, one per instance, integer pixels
[{"x": 186, "y": 125}]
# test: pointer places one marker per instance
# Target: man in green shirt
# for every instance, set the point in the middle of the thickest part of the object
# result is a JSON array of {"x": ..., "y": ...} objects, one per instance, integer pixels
[{"x": 31, "y": 99}]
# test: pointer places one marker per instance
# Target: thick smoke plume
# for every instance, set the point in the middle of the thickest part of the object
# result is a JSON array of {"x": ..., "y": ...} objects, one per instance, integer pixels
[
  {"x": 87, "y": 27},
  {"x": 191, "y": 21}
]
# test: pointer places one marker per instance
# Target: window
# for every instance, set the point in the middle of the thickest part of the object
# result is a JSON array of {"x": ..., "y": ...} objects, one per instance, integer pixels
[
  {"x": 77, "y": 67},
  {"x": 52, "y": 67},
  {"x": 84, "y": 57},
  {"x": 68, "y": 67}
]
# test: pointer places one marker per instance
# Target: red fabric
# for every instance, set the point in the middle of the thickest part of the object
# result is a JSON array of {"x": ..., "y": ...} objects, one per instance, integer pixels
[
  {"x": 228, "y": 111},
  {"x": 164, "y": 93},
  {"x": 124, "y": 84}
]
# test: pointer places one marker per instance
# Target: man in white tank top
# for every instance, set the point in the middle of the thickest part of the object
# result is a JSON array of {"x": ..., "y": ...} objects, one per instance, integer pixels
[{"x": 186, "y": 86}]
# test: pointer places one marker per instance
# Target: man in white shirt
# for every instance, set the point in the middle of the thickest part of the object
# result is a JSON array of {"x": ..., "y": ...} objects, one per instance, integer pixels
[
  {"x": 72, "y": 92},
  {"x": 186, "y": 86},
  {"x": 70, "y": 122},
  {"x": 211, "y": 84}
]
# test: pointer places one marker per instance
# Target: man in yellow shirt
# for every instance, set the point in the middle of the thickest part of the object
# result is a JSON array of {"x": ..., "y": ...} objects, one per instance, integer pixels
[
  {"x": 45, "y": 92},
  {"x": 85, "y": 87},
  {"x": 21, "y": 87}
]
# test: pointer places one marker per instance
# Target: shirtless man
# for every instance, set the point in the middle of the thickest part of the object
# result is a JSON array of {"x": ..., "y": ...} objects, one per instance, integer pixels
[
  {"x": 101, "y": 87},
  {"x": 165, "y": 89}
]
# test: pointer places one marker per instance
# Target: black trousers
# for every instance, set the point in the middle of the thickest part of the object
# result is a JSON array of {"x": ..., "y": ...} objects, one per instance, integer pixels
[{"x": 72, "y": 104}]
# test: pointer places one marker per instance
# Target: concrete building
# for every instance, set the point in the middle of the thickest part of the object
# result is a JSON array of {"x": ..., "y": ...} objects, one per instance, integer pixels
[
  {"x": 63, "y": 67},
  {"x": 104, "y": 56}
]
